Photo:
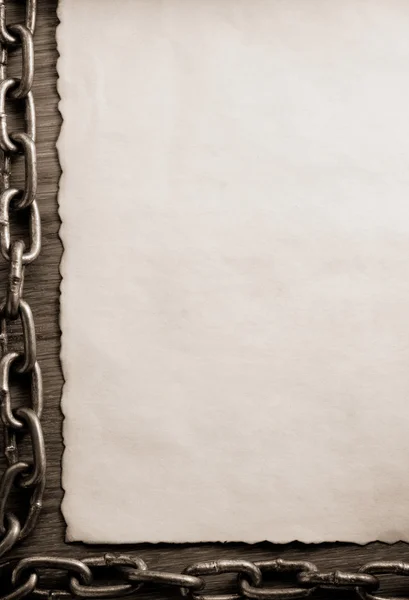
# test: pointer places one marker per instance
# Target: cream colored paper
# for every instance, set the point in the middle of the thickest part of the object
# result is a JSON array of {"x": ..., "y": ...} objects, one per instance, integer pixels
[{"x": 235, "y": 295}]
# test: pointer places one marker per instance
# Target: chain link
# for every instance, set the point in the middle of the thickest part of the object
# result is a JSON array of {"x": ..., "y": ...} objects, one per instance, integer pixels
[
  {"x": 113, "y": 590},
  {"x": 241, "y": 567},
  {"x": 279, "y": 566},
  {"x": 123, "y": 574},
  {"x": 25, "y": 475},
  {"x": 30, "y": 566},
  {"x": 14, "y": 291}
]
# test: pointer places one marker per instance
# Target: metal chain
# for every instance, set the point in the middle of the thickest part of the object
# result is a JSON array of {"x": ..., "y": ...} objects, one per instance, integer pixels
[
  {"x": 123, "y": 574},
  {"x": 19, "y": 365}
]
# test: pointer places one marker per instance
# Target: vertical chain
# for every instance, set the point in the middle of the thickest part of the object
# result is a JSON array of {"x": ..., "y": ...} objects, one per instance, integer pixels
[
  {"x": 24, "y": 474},
  {"x": 5, "y": 158}
]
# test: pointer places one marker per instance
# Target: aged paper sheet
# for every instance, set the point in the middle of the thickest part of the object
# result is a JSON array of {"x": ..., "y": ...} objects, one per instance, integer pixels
[{"x": 235, "y": 294}]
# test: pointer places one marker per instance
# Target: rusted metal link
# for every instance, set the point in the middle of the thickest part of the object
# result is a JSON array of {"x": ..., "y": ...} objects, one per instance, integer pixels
[
  {"x": 30, "y": 566},
  {"x": 14, "y": 293},
  {"x": 29, "y": 356},
  {"x": 34, "y": 227},
  {"x": 278, "y": 566},
  {"x": 34, "y": 429},
  {"x": 164, "y": 578},
  {"x": 379, "y": 568},
  {"x": 6, "y": 144},
  {"x": 7, "y": 483},
  {"x": 6, "y": 37},
  {"x": 23, "y": 590},
  {"x": 338, "y": 579},
  {"x": 240, "y": 567},
  {"x": 25, "y": 40},
  {"x": 108, "y": 590},
  {"x": 36, "y": 395},
  {"x": 28, "y": 148},
  {"x": 11, "y": 534}
]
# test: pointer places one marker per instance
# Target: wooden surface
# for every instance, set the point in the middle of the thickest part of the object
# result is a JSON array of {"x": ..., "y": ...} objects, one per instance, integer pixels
[{"x": 42, "y": 291}]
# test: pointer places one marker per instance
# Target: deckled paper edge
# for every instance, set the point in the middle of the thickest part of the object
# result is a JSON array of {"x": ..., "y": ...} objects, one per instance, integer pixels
[
  {"x": 61, "y": 89},
  {"x": 70, "y": 536}
]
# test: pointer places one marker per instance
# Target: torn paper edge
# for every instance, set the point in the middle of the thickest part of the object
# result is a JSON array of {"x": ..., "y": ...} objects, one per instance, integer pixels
[{"x": 62, "y": 87}]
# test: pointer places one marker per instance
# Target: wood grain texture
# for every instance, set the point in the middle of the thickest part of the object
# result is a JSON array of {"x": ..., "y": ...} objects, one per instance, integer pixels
[{"x": 42, "y": 291}]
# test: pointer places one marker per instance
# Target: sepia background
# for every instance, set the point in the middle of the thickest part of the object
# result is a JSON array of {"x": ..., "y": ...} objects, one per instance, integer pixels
[{"x": 42, "y": 291}]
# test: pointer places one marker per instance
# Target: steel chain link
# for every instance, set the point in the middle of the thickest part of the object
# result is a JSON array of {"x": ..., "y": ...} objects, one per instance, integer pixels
[
  {"x": 123, "y": 574},
  {"x": 22, "y": 473}
]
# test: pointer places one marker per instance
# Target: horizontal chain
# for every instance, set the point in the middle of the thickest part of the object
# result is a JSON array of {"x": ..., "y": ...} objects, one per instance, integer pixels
[{"x": 124, "y": 574}]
